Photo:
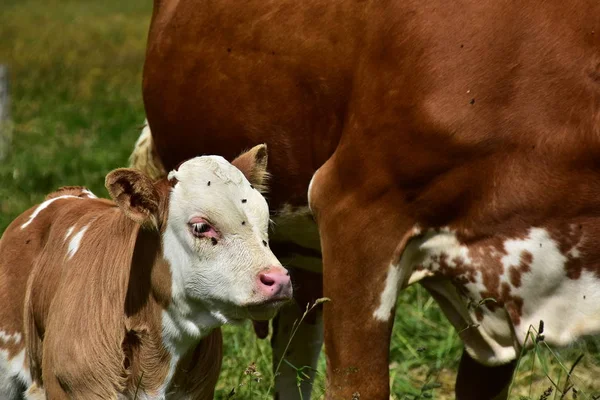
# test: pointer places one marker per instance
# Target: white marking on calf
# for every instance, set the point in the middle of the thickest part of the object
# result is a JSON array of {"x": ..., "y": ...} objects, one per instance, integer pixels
[
  {"x": 75, "y": 242},
  {"x": 12, "y": 368},
  {"x": 89, "y": 194},
  {"x": 69, "y": 231},
  {"x": 45, "y": 205},
  {"x": 10, "y": 337}
]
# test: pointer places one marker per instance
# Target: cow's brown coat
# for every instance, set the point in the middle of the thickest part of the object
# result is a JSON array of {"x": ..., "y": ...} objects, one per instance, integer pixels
[{"x": 481, "y": 116}]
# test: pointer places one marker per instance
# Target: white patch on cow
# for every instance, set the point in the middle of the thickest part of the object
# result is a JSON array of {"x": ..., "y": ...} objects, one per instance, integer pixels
[
  {"x": 69, "y": 231},
  {"x": 44, "y": 205},
  {"x": 570, "y": 308},
  {"x": 546, "y": 271},
  {"x": 570, "y": 312},
  {"x": 399, "y": 275},
  {"x": 310, "y": 187},
  {"x": 76, "y": 242},
  {"x": 419, "y": 275},
  {"x": 537, "y": 239},
  {"x": 574, "y": 253},
  {"x": 444, "y": 244},
  {"x": 389, "y": 294}
]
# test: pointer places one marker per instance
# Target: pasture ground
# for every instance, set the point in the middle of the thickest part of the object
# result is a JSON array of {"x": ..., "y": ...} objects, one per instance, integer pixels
[{"x": 75, "y": 73}]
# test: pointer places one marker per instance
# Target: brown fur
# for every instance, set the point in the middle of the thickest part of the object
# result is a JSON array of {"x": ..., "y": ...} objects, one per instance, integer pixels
[
  {"x": 91, "y": 319},
  {"x": 253, "y": 164},
  {"x": 92, "y": 323},
  {"x": 482, "y": 116}
]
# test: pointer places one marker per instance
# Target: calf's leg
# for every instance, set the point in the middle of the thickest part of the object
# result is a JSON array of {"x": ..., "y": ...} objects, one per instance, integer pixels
[{"x": 302, "y": 352}]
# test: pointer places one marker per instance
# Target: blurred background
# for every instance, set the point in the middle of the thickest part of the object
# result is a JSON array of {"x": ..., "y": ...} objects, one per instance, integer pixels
[{"x": 74, "y": 70}]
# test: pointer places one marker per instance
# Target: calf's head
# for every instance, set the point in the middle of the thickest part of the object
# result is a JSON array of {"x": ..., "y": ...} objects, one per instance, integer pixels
[{"x": 214, "y": 233}]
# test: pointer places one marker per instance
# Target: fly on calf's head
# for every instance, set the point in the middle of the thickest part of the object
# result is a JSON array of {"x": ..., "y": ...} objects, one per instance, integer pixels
[{"x": 220, "y": 262}]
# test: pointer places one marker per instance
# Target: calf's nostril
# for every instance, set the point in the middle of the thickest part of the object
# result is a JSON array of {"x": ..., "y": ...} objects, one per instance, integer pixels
[{"x": 266, "y": 280}]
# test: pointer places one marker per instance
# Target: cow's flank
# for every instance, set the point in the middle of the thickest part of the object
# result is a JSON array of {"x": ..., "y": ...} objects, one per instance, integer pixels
[{"x": 476, "y": 122}]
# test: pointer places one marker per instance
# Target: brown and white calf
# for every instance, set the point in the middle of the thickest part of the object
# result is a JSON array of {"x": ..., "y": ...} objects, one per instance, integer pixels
[{"x": 105, "y": 299}]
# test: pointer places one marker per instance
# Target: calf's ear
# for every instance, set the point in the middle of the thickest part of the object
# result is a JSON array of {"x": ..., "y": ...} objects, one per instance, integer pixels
[
  {"x": 135, "y": 195},
  {"x": 253, "y": 164}
]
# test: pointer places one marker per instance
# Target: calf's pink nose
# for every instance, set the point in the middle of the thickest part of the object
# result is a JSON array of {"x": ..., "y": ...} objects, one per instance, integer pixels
[{"x": 275, "y": 282}]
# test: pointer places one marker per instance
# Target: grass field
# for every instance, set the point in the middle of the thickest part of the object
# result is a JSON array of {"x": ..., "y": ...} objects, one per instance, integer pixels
[{"x": 75, "y": 73}]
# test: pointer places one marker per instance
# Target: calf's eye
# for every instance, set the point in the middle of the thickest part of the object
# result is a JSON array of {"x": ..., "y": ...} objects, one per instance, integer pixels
[{"x": 199, "y": 228}]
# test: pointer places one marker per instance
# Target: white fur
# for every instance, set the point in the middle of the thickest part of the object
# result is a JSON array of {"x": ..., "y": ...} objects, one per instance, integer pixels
[
  {"x": 212, "y": 284},
  {"x": 10, "y": 337},
  {"x": 310, "y": 187},
  {"x": 551, "y": 296},
  {"x": 570, "y": 308},
  {"x": 388, "y": 295},
  {"x": 75, "y": 242},
  {"x": 398, "y": 276},
  {"x": 13, "y": 373},
  {"x": 69, "y": 231},
  {"x": 90, "y": 194},
  {"x": 44, "y": 205}
]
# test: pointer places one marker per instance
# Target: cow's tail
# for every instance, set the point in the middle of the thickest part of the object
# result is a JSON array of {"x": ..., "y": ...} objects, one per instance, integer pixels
[{"x": 144, "y": 156}]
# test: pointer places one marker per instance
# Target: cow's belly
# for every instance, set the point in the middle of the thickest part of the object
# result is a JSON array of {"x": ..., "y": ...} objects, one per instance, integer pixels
[
  {"x": 294, "y": 238},
  {"x": 496, "y": 291}
]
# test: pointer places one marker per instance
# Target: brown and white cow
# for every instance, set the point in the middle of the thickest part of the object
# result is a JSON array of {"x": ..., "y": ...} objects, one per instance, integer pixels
[
  {"x": 452, "y": 143},
  {"x": 105, "y": 299}
]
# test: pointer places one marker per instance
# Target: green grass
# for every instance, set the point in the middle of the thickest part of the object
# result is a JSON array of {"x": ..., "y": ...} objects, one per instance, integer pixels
[{"x": 75, "y": 73}]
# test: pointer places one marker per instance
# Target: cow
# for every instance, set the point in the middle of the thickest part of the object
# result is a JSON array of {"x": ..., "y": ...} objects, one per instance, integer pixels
[
  {"x": 124, "y": 298},
  {"x": 453, "y": 144}
]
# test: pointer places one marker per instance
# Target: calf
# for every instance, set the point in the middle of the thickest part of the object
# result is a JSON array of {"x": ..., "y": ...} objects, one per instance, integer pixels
[{"x": 105, "y": 299}]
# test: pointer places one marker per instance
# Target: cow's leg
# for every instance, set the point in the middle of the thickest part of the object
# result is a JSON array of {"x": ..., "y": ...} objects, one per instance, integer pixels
[
  {"x": 478, "y": 382},
  {"x": 303, "y": 349},
  {"x": 359, "y": 236}
]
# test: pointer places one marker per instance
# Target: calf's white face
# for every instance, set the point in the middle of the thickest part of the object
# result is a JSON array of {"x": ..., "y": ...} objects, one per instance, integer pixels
[{"x": 216, "y": 241}]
